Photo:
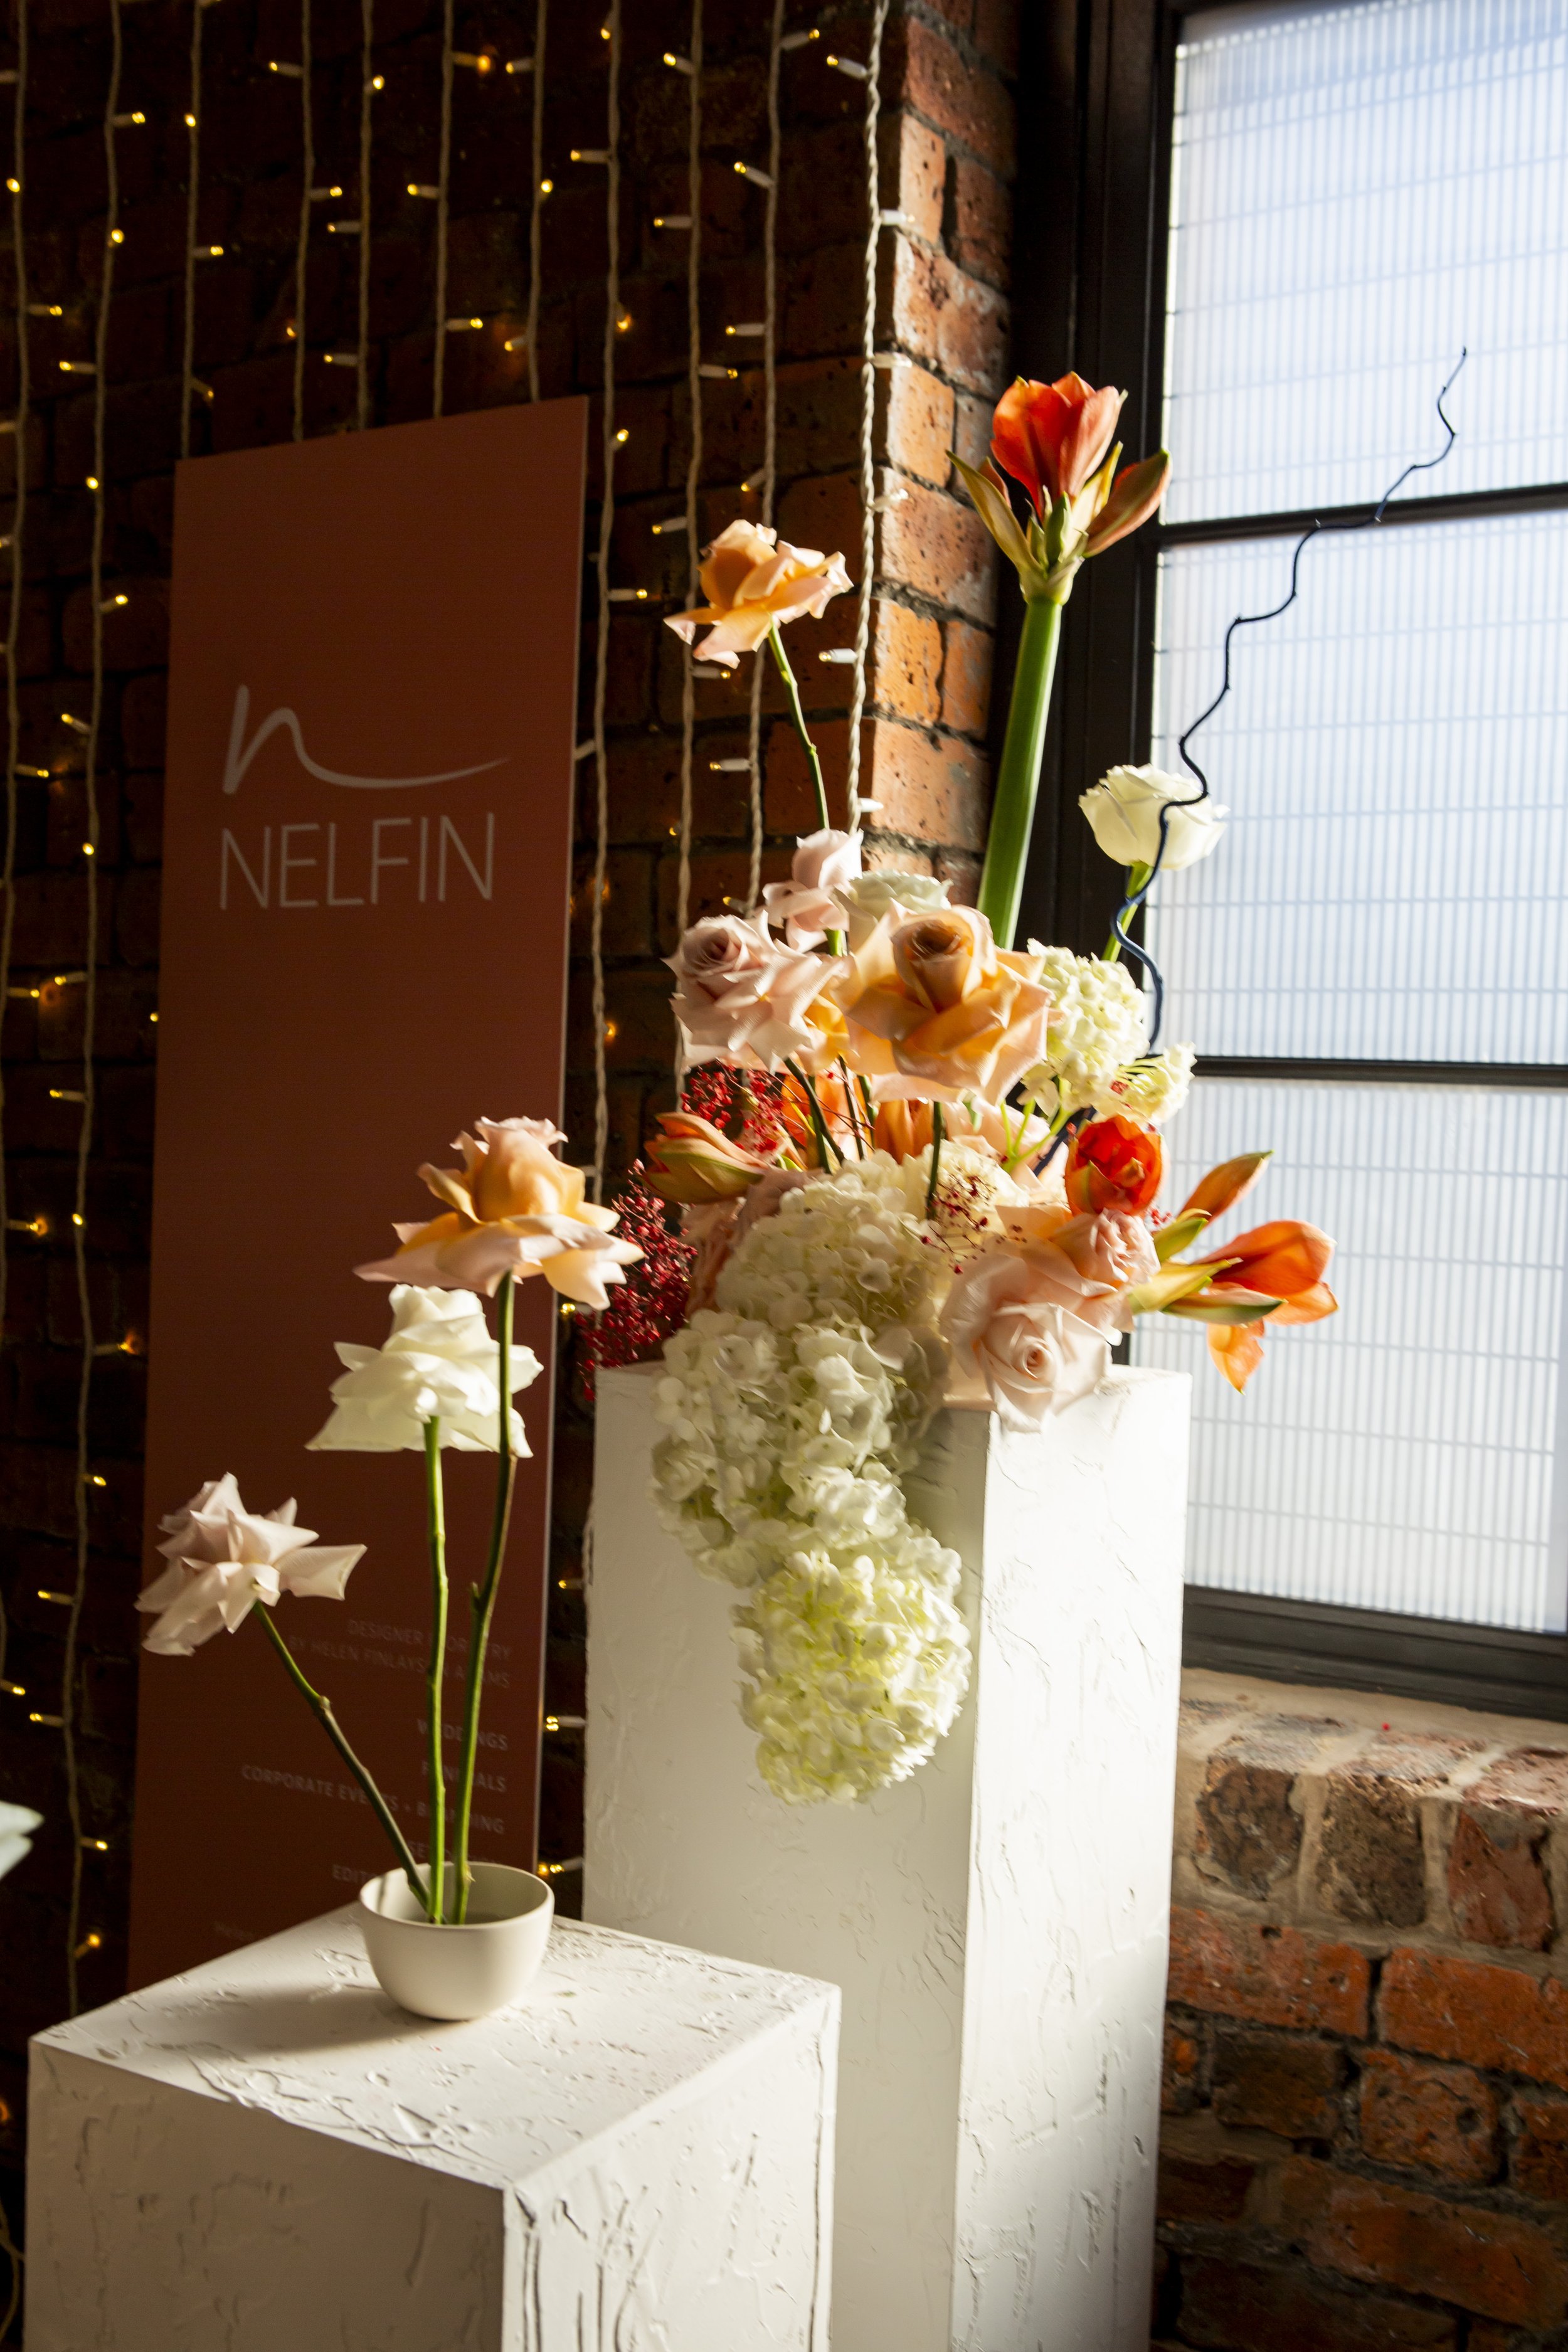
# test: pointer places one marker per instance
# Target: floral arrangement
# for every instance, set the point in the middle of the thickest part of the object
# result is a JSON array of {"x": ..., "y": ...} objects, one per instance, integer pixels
[
  {"x": 514, "y": 1210},
  {"x": 936, "y": 1173}
]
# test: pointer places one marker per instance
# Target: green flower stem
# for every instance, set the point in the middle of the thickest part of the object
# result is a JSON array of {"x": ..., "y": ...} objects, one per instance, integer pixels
[
  {"x": 937, "y": 1126},
  {"x": 824, "y": 1142},
  {"x": 435, "y": 1514},
  {"x": 1137, "y": 881},
  {"x": 482, "y": 1603},
  {"x": 322, "y": 1709},
  {"x": 854, "y": 1113},
  {"x": 776, "y": 646},
  {"x": 1018, "y": 777}
]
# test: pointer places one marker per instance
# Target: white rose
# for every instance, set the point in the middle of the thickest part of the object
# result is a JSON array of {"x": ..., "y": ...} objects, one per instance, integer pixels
[
  {"x": 16, "y": 1825},
  {"x": 1123, "y": 811},
  {"x": 441, "y": 1361}
]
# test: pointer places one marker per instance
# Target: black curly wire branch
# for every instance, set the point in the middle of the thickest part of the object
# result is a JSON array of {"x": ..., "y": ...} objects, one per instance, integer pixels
[{"x": 1131, "y": 905}]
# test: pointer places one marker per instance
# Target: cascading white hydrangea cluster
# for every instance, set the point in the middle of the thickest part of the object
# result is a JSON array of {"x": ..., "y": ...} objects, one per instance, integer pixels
[
  {"x": 792, "y": 1408},
  {"x": 1098, "y": 1033}
]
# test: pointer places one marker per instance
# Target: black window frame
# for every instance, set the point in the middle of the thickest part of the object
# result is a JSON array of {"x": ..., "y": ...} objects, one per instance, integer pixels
[{"x": 1097, "y": 103}]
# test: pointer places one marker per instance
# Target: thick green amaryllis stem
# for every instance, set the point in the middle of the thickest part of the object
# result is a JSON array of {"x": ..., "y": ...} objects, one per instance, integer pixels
[
  {"x": 321, "y": 1708},
  {"x": 1018, "y": 778},
  {"x": 483, "y": 1602},
  {"x": 435, "y": 1514}
]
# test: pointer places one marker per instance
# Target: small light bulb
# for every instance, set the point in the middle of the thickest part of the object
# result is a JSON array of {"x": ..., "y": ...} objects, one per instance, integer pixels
[
  {"x": 623, "y": 437},
  {"x": 546, "y": 187},
  {"x": 93, "y": 481},
  {"x": 190, "y": 123},
  {"x": 14, "y": 186}
]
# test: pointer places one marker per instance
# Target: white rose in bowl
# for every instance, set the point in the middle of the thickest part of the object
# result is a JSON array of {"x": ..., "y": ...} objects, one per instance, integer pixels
[{"x": 1123, "y": 811}]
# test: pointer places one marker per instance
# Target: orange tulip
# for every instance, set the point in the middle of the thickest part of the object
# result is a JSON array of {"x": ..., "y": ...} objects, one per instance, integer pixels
[{"x": 1114, "y": 1163}]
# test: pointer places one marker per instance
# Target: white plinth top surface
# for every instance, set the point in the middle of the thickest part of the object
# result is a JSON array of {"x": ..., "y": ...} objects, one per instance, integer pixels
[{"x": 297, "y": 2027}]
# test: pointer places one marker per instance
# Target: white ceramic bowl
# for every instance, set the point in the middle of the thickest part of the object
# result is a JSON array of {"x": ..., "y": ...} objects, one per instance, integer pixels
[{"x": 453, "y": 1972}]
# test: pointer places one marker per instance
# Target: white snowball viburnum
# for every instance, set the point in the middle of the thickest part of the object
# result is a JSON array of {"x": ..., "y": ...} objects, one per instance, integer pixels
[{"x": 791, "y": 1410}]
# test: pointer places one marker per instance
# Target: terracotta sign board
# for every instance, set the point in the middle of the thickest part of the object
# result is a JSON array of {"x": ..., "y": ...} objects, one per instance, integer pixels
[{"x": 372, "y": 690}]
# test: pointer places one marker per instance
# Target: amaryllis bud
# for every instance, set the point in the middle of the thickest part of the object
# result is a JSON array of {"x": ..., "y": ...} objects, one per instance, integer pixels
[
  {"x": 694, "y": 1161},
  {"x": 1114, "y": 1163},
  {"x": 1053, "y": 437}
]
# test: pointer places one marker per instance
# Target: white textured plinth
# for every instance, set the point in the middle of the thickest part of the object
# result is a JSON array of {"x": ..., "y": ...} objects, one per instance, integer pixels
[
  {"x": 266, "y": 2156},
  {"x": 997, "y": 1924}
]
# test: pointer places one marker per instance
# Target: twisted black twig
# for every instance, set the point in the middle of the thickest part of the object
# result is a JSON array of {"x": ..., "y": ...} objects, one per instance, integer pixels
[{"x": 1130, "y": 904}]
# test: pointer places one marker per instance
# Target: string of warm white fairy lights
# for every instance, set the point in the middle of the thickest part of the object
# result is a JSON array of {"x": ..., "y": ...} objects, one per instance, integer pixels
[
  {"x": 77, "y": 1944},
  {"x": 443, "y": 212},
  {"x": 867, "y": 408},
  {"x": 307, "y": 193},
  {"x": 770, "y": 426},
  {"x": 539, "y": 191},
  {"x": 192, "y": 193},
  {"x": 693, "y": 463},
  {"x": 612, "y": 440},
  {"x": 13, "y": 703},
  {"x": 366, "y": 97}
]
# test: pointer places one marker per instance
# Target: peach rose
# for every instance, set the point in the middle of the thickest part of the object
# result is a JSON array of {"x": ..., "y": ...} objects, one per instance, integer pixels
[
  {"x": 803, "y": 907},
  {"x": 743, "y": 997},
  {"x": 751, "y": 578},
  {"x": 512, "y": 1208},
  {"x": 1008, "y": 1326},
  {"x": 934, "y": 1008}
]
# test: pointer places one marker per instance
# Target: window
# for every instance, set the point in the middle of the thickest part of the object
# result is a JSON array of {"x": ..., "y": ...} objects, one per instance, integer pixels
[{"x": 1336, "y": 200}]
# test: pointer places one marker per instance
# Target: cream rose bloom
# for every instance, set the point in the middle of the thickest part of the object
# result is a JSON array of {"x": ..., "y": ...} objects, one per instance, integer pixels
[
  {"x": 1089, "y": 1262},
  {"x": 1013, "y": 1336},
  {"x": 1123, "y": 811},
  {"x": 744, "y": 996},
  {"x": 804, "y": 907},
  {"x": 751, "y": 578},
  {"x": 440, "y": 1362},
  {"x": 223, "y": 1560},
  {"x": 18, "y": 1823},
  {"x": 887, "y": 890}
]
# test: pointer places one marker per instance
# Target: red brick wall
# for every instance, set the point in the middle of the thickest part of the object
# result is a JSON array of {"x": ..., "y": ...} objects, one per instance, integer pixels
[
  {"x": 946, "y": 158},
  {"x": 1365, "y": 2142}
]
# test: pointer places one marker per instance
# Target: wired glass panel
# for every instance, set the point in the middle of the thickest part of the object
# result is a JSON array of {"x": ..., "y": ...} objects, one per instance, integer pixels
[
  {"x": 1403, "y": 1454},
  {"x": 1358, "y": 193},
  {"x": 1393, "y": 880}
]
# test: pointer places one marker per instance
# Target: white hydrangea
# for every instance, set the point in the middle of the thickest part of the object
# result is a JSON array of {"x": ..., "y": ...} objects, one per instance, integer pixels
[
  {"x": 1153, "y": 1088},
  {"x": 790, "y": 1411},
  {"x": 1098, "y": 1026}
]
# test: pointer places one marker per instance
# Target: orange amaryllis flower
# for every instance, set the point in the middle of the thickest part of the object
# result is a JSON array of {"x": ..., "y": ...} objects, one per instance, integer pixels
[
  {"x": 1053, "y": 436},
  {"x": 751, "y": 578},
  {"x": 1114, "y": 1163},
  {"x": 512, "y": 1208},
  {"x": 1284, "y": 1260},
  {"x": 693, "y": 1160}
]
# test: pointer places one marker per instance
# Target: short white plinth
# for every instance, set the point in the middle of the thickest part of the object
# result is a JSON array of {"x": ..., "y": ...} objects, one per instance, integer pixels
[
  {"x": 997, "y": 1924},
  {"x": 266, "y": 2156}
]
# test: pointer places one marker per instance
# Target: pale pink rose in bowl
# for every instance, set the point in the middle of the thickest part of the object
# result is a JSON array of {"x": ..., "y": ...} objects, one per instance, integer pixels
[
  {"x": 744, "y": 996},
  {"x": 1009, "y": 1326},
  {"x": 803, "y": 907}
]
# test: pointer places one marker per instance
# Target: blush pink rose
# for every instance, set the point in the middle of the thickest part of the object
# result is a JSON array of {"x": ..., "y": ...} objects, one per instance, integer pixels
[
  {"x": 803, "y": 907},
  {"x": 743, "y": 997},
  {"x": 1092, "y": 1261},
  {"x": 1008, "y": 1325}
]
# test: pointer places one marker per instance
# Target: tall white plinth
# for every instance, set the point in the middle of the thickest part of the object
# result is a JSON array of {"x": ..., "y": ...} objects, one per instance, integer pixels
[
  {"x": 266, "y": 2155},
  {"x": 997, "y": 1924}
]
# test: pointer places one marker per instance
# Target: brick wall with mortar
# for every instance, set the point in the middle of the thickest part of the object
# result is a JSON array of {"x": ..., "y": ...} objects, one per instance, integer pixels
[
  {"x": 947, "y": 146},
  {"x": 1365, "y": 2139}
]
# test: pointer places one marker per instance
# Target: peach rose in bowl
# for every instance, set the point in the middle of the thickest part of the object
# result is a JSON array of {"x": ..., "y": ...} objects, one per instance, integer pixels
[
  {"x": 1011, "y": 1329},
  {"x": 753, "y": 579},
  {"x": 512, "y": 1208},
  {"x": 935, "y": 1009}
]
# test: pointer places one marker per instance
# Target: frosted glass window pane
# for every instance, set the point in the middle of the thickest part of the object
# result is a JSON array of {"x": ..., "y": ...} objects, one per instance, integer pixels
[
  {"x": 1392, "y": 883},
  {"x": 1399, "y": 1455},
  {"x": 1357, "y": 194}
]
